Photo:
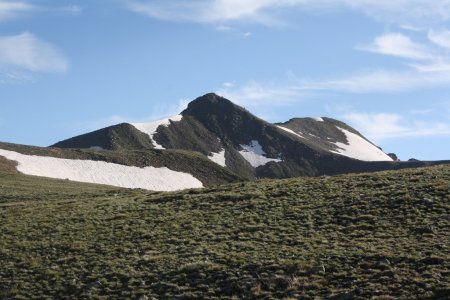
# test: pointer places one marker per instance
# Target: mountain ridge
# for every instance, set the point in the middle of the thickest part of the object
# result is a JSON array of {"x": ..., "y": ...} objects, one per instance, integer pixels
[{"x": 217, "y": 141}]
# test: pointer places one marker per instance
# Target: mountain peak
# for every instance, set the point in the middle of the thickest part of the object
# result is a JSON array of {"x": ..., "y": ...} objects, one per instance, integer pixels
[
  {"x": 211, "y": 101},
  {"x": 212, "y": 104},
  {"x": 213, "y": 97}
]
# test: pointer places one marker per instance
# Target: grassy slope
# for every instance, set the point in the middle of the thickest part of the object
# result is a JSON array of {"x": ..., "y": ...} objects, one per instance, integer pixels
[{"x": 379, "y": 234}]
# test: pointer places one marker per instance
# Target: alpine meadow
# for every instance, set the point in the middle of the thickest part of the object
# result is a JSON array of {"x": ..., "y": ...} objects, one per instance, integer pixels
[{"x": 225, "y": 149}]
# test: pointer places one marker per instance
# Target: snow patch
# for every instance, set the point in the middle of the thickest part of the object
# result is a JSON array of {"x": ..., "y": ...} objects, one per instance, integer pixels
[
  {"x": 359, "y": 148},
  {"x": 218, "y": 158},
  {"x": 315, "y": 136},
  {"x": 291, "y": 131},
  {"x": 255, "y": 155},
  {"x": 150, "y": 178},
  {"x": 318, "y": 119},
  {"x": 96, "y": 148},
  {"x": 151, "y": 127}
]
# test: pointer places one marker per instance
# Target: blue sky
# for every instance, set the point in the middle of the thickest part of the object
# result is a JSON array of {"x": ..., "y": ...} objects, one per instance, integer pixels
[{"x": 68, "y": 67}]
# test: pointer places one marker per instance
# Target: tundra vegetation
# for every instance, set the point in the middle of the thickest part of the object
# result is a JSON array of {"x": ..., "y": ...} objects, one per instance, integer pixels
[{"x": 384, "y": 235}]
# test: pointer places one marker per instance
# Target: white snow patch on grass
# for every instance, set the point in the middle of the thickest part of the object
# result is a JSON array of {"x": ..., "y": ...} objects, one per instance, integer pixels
[
  {"x": 150, "y": 178},
  {"x": 255, "y": 155},
  {"x": 218, "y": 158},
  {"x": 318, "y": 119},
  {"x": 359, "y": 148},
  {"x": 151, "y": 127},
  {"x": 96, "y": 148},
  {"x": 291, "y": 131}
]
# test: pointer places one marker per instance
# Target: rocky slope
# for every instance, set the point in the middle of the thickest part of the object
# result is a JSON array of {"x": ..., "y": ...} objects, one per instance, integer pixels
[{"x": 247, "y": 145}]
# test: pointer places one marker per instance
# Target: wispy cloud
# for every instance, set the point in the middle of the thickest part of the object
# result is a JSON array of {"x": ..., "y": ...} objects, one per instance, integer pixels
[
  {"x": 397, "y": 44},
  {"x": 25, "y": 52},
  {"x": 8, "y": 76},
  {"x": 381, "y": 82},
  {"x": 405, "y": 12},
  {"x": 254, "y": 93},
  {"x": 201, "y": 11},
  {"x": 299, "y": 89},
  {"x": 68, "y": 9},
  {"x": 228, "y": 84},
  {"x": 233, "y": 30},
  {"x": 12, "y": 9},
  {"x": 441, "y": 38},
  {"x": 425, "y": 66},
  {"x": 164, "y": 110},
  {"x": 382, "y": 126},
  {"x": 411, "y": 13}
]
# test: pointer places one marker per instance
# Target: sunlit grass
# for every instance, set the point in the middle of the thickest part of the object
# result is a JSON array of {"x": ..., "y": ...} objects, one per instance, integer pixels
[{"x": 382, "y": 234}]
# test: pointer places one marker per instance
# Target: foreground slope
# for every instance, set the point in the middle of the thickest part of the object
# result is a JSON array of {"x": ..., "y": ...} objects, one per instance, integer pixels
[{"x": 377, "y": 235}]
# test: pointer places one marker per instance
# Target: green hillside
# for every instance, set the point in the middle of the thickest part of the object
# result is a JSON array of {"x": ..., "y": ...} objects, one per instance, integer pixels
[{"x": 384, "y": 235}]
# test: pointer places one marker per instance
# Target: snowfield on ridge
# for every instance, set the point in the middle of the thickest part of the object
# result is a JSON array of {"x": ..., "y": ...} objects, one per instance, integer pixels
[
  {"x": 150, "y": 178},
  {"x": 150, "y": 128},
  {"x": 255, "y": 155},
  {"x": 359, "y": 148},
  {"x": 218, "y": 158}
]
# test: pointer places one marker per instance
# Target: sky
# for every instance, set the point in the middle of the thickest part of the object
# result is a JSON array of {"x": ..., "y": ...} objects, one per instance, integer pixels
[{"x": 68, "y": 67}]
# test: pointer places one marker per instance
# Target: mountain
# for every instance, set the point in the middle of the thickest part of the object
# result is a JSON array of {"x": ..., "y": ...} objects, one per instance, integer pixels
[
  {"x": 213, "y": 140},
  {"x": 247, "y": 145},
  {"x": 117, "y": 137}
]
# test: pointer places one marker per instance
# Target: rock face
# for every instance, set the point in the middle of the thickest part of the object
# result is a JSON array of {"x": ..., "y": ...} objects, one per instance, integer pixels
[
  {"x": 246, "y": 145},
  {"x": 393, "y": 156},
  {"x": 117, "y": 137}
]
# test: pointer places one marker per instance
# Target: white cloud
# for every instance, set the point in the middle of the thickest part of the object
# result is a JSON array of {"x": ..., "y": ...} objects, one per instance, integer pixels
[
  {"x": 397, "y": 44},
  {"x": 73, "y": 9},
  {"x": 297, "y": 89},
  {"x": 68, "y": 9},
  {"x": 254, "y": 94},
  {"x": 11, "y": 9},
  {"x": 225, "y": 28},
  {"x": 381, "y": 126},
  {"x": 422, "y": 112},
  {"x": 412, "y": 13},
  {"x": 234, "y": 30},
  {"x": 14, "y": 9},
  {"x": 202, "y": 11},
  {"x": 382, "y": 81},
  {"x": 439, "y": 66},
  {"x": 427, "y": 68},
  {"x": 228, "y": 84},
  {"x": 411, "y": 28},
  {"x": 26, "y": 52},
  {"x": 405, "y": 12},
  {"x": 13, "y": 76},
  {"x": 164, "y": 110},
  {"x": 441, "y": 38}
]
